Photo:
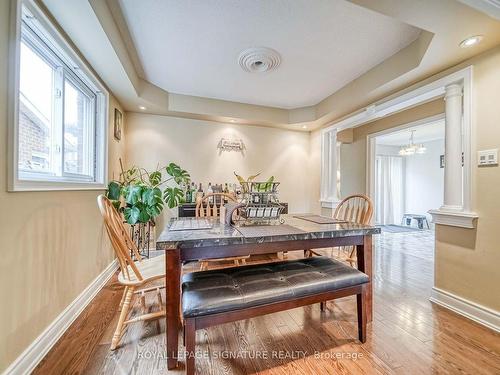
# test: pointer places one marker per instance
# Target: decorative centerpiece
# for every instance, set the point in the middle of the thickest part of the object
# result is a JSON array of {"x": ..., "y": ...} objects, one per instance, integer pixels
[{"x": 260, "y": 201}]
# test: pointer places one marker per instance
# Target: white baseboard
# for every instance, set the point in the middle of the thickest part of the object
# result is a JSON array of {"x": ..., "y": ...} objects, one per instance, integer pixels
[
  {"x": 478, "y": 313},
  {"x": 27, "y": 361}
]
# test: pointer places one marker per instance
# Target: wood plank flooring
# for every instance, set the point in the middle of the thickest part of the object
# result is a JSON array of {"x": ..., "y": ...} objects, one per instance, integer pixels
[{"x": 409, "y": 335}]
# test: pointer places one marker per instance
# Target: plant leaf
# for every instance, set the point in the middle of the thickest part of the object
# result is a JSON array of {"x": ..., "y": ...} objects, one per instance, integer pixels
[
  {"x": 182, "y": 177},
  {"x": 116, "y": 205},
  {"x": 172, "y": 196},
  {"x": 177, "y": 173},
  {"x": 240, "y": 179},
  {"x": 144, "y": 215},
  {"x": 133, "y": 194},
  {"x": 251, "y": 178},
  {"x": 155, "y": 178},
  {"x": 131, "y": 214},
  {"x": 155, "y": 210},
  {"x": 269, "y": 184},
  {"x": 113, "y": 192},
  {"x": 173, "y": 169}
]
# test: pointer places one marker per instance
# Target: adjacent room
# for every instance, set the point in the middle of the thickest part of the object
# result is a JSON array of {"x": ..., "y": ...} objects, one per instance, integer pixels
[
  {"x": 409, "y": 176},
  {"x": 249, "y": 187}
]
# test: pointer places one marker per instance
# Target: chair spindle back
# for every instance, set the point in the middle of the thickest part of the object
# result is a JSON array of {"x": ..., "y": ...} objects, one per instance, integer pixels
[
  {"x": 119, "y": 237},
  {"x": 210, "y": 204},
  {"x": 356, "y": 208}
]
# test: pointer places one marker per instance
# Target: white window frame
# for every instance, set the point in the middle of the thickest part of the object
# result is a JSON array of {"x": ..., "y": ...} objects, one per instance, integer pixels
[{"x": 75, "y": 69}]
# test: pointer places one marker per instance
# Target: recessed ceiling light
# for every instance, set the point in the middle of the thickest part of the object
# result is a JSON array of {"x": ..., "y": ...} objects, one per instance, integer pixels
[
  {"x": 471, "y": 41},
  {"x": 232, "y": 120},
  {"x": 142, "y": 108},
  {"x": 304, "y": 126}
]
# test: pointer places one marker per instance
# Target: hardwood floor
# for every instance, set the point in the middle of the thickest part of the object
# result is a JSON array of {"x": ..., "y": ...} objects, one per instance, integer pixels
[{"x": 409, "y": 335}]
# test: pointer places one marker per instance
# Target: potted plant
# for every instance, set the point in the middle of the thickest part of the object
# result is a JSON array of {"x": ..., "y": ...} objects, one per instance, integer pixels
[{"x": 141, "y": 195}]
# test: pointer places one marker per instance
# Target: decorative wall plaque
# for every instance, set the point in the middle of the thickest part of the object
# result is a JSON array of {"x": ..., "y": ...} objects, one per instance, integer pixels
[{"x": 226, "y": 144}]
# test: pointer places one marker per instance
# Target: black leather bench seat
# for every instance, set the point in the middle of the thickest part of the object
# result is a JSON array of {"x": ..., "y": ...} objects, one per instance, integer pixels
[{"x": 217, "y": 291}]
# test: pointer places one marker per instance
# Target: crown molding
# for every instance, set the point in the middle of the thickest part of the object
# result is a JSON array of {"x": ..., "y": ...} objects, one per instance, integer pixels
[{"x": 489, "y": 7}]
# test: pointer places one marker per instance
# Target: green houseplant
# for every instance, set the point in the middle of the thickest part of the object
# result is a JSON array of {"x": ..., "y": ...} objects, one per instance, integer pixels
[{"x": 141, "y": 195}]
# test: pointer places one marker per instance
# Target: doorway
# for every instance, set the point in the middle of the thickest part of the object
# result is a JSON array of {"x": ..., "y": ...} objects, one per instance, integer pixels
[{"x": 408, "y": 166}]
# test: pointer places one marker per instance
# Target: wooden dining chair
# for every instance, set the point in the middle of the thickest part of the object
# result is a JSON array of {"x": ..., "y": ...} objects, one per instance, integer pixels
[
  {"x": 134, "y": 275},
  {"x": 210, "y": 206},
  {"x": 357, "y": 208}
]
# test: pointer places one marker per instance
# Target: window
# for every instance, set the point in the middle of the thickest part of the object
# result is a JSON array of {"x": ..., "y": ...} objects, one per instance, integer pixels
[{"x": 60, "y": 127}]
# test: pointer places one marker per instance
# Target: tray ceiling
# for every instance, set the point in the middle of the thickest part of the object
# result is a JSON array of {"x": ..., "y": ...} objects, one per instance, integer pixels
[{"x": 192, "y": 47}]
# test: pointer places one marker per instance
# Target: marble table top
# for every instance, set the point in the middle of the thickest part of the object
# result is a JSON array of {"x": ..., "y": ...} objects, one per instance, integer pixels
[{"x": 223, "y": 235}]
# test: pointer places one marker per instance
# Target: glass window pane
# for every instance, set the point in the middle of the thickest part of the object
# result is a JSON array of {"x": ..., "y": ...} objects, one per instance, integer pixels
[
  {"x": 78, "y": 134},
  {"x": 35, "y": 112}
]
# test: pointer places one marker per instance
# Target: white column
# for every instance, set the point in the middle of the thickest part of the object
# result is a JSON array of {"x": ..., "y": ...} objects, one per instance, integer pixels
[
  {"x": 332, "y": 175},
  {"x": 329, "y": 168},
  {"x": 453, "y": 176}
]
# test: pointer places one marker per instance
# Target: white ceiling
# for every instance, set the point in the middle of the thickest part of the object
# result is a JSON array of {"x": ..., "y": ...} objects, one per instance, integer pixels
[
  {"x": 423, "y": 133},
  {"x": 192, "y": 47}
]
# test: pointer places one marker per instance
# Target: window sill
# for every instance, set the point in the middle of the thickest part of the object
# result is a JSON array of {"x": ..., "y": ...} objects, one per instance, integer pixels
[
  {"x": 460, "y": 219},
  {"x": 20, "y": 186}
]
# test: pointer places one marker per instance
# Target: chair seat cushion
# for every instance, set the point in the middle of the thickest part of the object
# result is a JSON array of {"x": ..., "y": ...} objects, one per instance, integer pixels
[
  {"x": 150, "y": 269},
  {"x": 217, "y": 291}
]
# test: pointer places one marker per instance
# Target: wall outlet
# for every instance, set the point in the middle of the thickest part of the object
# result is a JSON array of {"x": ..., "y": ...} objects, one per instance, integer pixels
[{"x": 487, "y": 157}]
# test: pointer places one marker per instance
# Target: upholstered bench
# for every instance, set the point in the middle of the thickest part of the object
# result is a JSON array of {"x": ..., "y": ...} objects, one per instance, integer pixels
[{"x": 220, "y": 296}]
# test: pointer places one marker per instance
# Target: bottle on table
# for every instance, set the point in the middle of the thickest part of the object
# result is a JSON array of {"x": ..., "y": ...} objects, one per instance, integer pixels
[
  {"x": 193, "y": 192},
  {"x": 199, "y": 193},
  {"x": 210, "y": 191},
  {"x": 189, "y": 193},
  {"x": 226, "y": 191}
]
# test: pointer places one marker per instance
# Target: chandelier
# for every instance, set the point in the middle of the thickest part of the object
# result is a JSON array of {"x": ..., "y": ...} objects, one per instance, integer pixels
[{"x": 411, "y": 148}]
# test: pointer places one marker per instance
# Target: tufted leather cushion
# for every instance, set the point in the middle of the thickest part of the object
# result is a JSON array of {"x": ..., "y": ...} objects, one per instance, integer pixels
[{"x": 216, "y": 291}]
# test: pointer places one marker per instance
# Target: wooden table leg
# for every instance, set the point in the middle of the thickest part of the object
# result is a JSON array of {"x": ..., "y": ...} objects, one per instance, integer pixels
[
  {"x": 173, "y": 268},
  {"x": 365, "y": 264}
]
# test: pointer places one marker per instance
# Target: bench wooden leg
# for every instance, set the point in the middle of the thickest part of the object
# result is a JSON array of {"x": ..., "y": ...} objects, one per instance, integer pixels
[
  {"x": 190, "y": 342},
  {"x": 361, "y": 304},
  {"x": 322, "y": 305}
]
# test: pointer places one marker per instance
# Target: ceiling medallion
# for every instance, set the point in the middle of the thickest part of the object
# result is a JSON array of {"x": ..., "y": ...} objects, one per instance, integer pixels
[{"x": 259, "y": 59}]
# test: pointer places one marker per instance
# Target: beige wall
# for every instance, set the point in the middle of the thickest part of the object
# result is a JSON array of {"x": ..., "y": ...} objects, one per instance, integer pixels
[
  {"x": 467, "y": 259},
  {"x": 52, "y": 243},
  {"x": 153, "y": 139}
]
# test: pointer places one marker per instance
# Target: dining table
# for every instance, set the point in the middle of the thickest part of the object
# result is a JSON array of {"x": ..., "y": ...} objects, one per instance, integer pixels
[{"x": 192, "y": 239}]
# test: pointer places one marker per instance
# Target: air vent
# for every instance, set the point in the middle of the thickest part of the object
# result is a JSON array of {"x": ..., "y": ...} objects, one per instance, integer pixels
[{"x": 259, "y": 60}]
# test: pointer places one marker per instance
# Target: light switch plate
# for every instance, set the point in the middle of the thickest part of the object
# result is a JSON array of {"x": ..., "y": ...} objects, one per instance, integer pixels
[{"x": 487, "y": 157}]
